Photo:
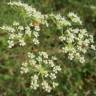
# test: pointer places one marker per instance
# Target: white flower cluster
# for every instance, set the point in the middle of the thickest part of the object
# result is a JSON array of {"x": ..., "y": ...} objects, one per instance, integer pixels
[
  {"x": 74, "y": 18},
  {"x": 36, "y": 35},
  {"x": 60, "y": 21},
  {"x": 31, "y": 12},
  {"x": 76, "y": 43},
  {"x": 18, "y": 33},
  {"x": 44, "y": 71}
]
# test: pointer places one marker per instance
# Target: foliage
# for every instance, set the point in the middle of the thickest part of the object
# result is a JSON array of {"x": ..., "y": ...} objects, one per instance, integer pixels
[{"x": 49, "y": 52}]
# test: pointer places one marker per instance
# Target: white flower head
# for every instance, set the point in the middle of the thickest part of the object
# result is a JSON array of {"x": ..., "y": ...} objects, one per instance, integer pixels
[{"x": 44, "y": 69}]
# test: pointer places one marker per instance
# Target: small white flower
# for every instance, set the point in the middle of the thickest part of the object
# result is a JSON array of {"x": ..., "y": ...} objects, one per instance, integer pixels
[
  {"x": 46, "y": 87},
  {"x": 8, "y": 28},
  {"x": 35, "y": 34},
  {"x": 36, "y": 41},
  {"x": 62, "y": 38},
  {"x": 56, "y": 69},
  {"x": 55, "y": 84},
  {"x": 19, "y": 35},
  {"x": 15, "y": 23},
  {"x": 11, "y": 43},
  {"x": 54, "y": 58},
  {"x": 34, "y": 84},
  {"x": 93, "y": 47},
  {"x": 44, "y": 54},
  {"x": 82, "y": 60},
  {"x": 77, "y": 55},
  {"x": 45, "y": 61},
  {"x": 32, "y": 62},
  {"x": 20, "y": 28},
  {"x": 39, "y": 58},
  {"x": 37, "y": 28},
  {"x": 51, "y": 63},
  {"x": 74, "y": 18},
  {"x": 28, "y": 31},
  {"x": 22, "y": 42},
  {"x": 71, "y": 56},
  {"x": 12, "y": 36},
  {"x": 91, "y": 38},
  {"x": 31, "y": 55},
  {"x": 24, "y": 68},
  {"x": 52, "y": 76}
]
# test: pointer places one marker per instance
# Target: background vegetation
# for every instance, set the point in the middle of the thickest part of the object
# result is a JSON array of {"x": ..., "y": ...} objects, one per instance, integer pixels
[{"x": 75, "y": 80}]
